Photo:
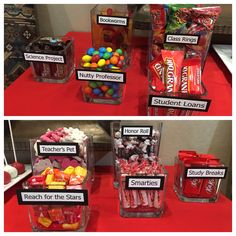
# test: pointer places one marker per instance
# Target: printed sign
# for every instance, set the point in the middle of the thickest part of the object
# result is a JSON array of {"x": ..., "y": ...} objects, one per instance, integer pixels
[
  {"x": 182, "y": 103},
  {"x": 208, "y": 172},
  {"x": 144, "y": 182},
  {"x": 136, "y": 130},
  {"x": 115, "y": 77},
  {"x": 58, "y": 149},
  {"x": 52, "y": 196},
  {"x": 112, "y": 20},
  {"x": 182, "y": 39},
  {"x": 48, "y": 58}
]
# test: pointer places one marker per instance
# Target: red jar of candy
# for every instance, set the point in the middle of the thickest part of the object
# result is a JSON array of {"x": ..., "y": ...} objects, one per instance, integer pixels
[{"x": 198, "y": 177}]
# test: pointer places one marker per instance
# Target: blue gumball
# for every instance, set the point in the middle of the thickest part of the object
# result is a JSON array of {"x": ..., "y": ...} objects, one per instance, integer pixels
[
  {"x": 115, "y": 86},
  {"x": 101, "y": 54},
  {"x": 102, "y": 49},
  {"x": 97, "y": 91},
  {"x": 90, "y": 51}
]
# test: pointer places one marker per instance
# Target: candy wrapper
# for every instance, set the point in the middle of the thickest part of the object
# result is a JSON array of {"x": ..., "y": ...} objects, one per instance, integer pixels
[{"x": 198, "y": 177}]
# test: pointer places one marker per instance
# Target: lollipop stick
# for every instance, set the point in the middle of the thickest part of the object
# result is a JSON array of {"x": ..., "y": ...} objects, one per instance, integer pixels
[
  {"x": 5, "y": 159},
  {"x": 12, "y": 141}
]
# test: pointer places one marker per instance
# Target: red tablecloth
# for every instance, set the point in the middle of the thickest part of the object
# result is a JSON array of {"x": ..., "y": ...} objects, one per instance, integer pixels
[
  {"x": 179, "y": 216},
  {"x": 26, "y": 97}
]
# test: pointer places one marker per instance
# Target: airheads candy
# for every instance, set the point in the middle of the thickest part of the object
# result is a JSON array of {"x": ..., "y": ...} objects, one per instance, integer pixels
[{"x": 172, "y": 69}]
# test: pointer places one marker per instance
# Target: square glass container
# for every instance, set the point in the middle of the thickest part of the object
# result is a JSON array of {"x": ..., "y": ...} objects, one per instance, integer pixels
[{"x": 51, "y": 58}]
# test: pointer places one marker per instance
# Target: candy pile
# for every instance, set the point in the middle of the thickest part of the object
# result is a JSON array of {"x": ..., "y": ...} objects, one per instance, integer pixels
[
  {"x": 52, "y": 46},
  {"x": 183, "y": 19},
  {"x": 61, "y": 135},
  {"x": 141, "y": 200},
  {"x": 174, "y": 74},
  {"x": 70, "y": 178},
  {"x": 103, "y": 59},
  {"x": 196, "y": 187},
  {"x": 136, "y": 148},
  {"x": 55, "y": 217}
]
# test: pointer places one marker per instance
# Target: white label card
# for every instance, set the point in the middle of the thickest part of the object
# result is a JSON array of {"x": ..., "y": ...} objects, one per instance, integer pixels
[
  {"x": 112, "y": 20},
  {"x": 136, "y": 130},
  {"x": 171, "y": 102},
  {"x": 37, "y": 57},
  {"x": 182, "y": 39},
  {"x": 116, "y": 77},
  {"x": 206, "y": 172}
]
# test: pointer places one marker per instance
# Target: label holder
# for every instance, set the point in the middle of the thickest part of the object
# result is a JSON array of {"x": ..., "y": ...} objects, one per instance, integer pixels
[
  {"x": 101, "y": 72},
  {"x": 208, "y": 101},
  {"x": 162, "y": 179},
  {"x": 205, "y": 177},
  {"x": 120, "y": 25},
  {"x": 50, "y": 62},
  {"x": 58, "y": 144},
  {"x": 182, "y": 35},
  {"x": 66, "y": 191},
  {"x": 136, "y": 126}
]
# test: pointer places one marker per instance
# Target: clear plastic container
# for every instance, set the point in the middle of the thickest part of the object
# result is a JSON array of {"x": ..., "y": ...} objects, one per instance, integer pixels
[
  {"x": 112, "y": 26},
  {"x": 142, "y": 202},
  {"x": 196, "y": 189},
  {"x": 45, "y": 218},
  {"x": 134, "y": 147},
  {"x": 50, "y": 70}
]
